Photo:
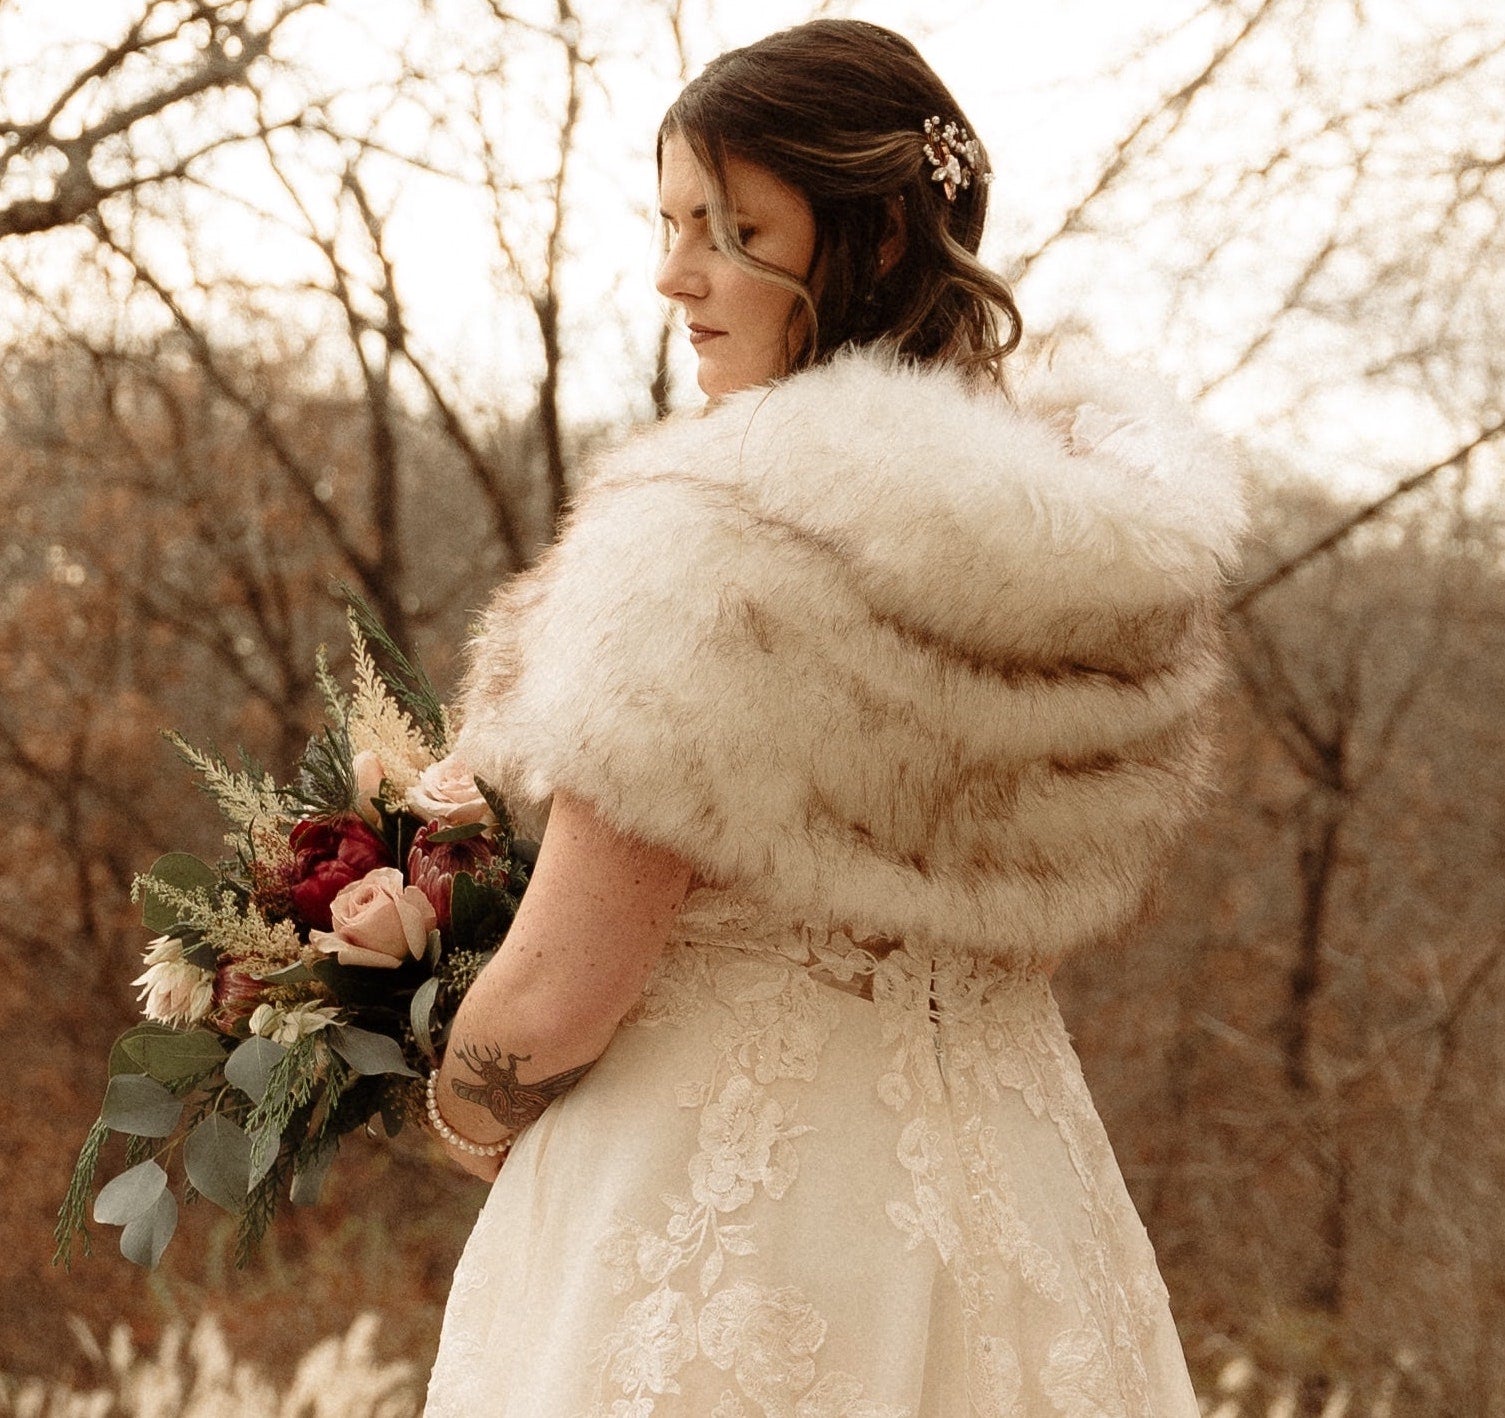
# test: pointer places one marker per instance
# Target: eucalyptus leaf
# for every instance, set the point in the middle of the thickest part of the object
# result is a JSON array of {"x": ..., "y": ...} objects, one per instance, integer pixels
[
  {"x": 125, "y": 1054},
  {"x": 420, "y": 1016},
  {"x": 431, "y": 950},
  {"x": 144, "y": 1239},
  {"x": 250, "y": 1067},
  {"x": 202, "y": 953},
  {"x": 294, "y": 974},
  {"x": 130, "y": 1195},
  {"x": 139, "y": 1105},
  {"x": 179, "y": 869},
  {"x": 461, "y": 833},
  {"x": 168, "y": 1055},
  {"x": 368, "y": 1053},
  {"x": 217, "y": 1158},
  {"x": 308, "y": 1180}
]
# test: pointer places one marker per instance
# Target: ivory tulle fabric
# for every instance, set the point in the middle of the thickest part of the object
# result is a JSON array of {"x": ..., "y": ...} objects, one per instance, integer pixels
[{"x": 815, "y": 1177}]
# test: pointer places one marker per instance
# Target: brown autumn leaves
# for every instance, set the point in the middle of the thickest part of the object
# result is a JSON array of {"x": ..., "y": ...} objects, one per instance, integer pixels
[{"x": 1300, "y": 1064}]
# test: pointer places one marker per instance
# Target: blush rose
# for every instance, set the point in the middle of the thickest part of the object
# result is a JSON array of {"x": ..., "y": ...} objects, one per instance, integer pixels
[
  {"x": 369, "y": 772},
  {"x": 446, "y": 793},
  {"x": 378, "y": 921}
]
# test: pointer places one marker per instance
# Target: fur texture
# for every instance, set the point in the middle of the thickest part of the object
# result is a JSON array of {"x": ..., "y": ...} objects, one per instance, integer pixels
[{"x": 882, "y": 651}]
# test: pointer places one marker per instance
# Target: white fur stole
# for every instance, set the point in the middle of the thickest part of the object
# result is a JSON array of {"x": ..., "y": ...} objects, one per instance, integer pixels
[{"x": 883, "y": 651}]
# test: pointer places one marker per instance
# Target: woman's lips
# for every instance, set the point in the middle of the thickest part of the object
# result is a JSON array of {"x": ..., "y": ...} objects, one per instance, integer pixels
[{"x": 699, "y": 334}]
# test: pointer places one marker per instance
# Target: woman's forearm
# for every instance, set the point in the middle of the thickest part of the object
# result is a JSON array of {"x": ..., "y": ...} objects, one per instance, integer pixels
[
  {"x": 592, "y": 925},
  {"x": 505, "y": 1061}
]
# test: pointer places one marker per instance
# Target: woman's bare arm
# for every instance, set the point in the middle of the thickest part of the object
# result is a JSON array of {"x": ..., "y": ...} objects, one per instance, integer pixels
[{"x": 590, "y": 929}]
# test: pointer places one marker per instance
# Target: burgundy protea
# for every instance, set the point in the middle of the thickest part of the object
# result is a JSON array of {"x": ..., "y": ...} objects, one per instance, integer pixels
[
  {"x": 328, "y": 854},
  {"x": 432, "y": 866},
  {"x": 236, "y": 994}
]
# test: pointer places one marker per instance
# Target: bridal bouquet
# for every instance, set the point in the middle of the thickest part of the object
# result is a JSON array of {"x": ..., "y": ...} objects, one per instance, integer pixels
[{"x": 294, "y": 991}]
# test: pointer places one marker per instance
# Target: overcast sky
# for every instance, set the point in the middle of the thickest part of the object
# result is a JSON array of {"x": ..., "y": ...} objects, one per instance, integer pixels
[
  {"x": 1024, "y": 72},
  {"x": 1048, "y": 87}
]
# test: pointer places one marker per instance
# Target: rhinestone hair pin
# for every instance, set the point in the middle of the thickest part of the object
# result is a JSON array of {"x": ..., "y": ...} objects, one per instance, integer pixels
[{"x": 956, "y": 156}]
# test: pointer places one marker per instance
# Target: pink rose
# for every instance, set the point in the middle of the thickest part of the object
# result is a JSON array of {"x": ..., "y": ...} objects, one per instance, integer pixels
[
  {"x": 368, "y": 775},
  {"x": 378, "y": 921},
  {"x": 446, "y": 793},
  {"x": 432, "y": 866}
]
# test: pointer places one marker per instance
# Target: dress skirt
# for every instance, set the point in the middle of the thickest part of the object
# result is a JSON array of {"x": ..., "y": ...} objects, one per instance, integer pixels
[{"x": 815, "y": 1177}]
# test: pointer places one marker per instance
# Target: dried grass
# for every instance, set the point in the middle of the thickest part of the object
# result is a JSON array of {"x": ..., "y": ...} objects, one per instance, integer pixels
[{"x": 195, "y": 1376}]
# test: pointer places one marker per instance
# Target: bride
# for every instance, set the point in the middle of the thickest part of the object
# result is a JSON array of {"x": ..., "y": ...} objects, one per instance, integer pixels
[{"x": 856, "y": 700}]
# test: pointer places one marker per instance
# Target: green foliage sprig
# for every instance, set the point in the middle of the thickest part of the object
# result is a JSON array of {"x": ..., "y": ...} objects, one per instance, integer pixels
[{"x": 71, "y": 1215}]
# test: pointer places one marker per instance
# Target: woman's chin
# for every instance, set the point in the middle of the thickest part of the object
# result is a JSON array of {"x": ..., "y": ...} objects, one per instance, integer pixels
[
  {"x": 713, "y": 379},
  {"x": 717, "y": 378}
]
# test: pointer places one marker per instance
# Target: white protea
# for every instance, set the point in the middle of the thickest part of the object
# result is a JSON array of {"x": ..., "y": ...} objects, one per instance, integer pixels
[
  {"x": 163, "y": 950},
  {"x": 173, "y": 991}
]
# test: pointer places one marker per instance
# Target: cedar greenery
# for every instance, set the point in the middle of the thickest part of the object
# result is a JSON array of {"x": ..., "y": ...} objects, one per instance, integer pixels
[{"x": 70, "y": 1219}]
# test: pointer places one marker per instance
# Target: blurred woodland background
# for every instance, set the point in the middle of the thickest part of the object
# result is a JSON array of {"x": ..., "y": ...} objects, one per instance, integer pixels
[{"x": 219, "y": 393}]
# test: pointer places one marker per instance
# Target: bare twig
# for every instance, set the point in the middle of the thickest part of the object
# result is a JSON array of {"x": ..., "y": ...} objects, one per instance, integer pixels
[{"x": 1254, "y": 590}]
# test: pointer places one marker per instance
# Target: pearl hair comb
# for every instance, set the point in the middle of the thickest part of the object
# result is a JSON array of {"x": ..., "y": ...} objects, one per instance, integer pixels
[{"x": 956, "y": 156}]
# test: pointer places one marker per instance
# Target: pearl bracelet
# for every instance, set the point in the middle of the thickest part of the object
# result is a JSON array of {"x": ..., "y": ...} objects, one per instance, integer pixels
[{"x": 449, "y": 1135}]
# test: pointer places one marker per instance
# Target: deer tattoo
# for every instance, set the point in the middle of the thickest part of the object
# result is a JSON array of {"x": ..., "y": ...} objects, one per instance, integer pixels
[{"x": 512, "y": 1103}]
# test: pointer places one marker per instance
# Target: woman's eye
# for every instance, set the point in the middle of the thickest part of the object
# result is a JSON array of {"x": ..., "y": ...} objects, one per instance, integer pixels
[{"x": 744, "y": 235}]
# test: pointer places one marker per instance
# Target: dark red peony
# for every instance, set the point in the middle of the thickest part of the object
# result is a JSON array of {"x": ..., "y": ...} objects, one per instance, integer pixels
[
  {"x": 433, "y": 866},
  {"x": 329, "y": 853}
]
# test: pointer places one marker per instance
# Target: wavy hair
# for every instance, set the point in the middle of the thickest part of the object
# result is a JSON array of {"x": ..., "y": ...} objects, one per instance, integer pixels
[{"x": 836, "y": 110}]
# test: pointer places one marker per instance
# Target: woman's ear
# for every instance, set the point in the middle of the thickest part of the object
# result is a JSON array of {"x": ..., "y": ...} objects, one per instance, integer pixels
[{"x": 895, "y": 235}]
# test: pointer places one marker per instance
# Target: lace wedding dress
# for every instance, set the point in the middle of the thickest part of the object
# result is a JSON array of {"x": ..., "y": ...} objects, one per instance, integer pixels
[{"x": 815, "y": 1177}]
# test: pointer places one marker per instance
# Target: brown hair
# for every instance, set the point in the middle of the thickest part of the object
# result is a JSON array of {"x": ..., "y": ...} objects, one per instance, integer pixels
[{"x": 836, "y": 109}]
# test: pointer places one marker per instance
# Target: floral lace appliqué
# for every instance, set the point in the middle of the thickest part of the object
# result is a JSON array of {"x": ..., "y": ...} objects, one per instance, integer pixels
[
  {"x": 775, "y": 1022},
  {"x": 965, "y": 1034},
  {"x": 888, "y": 1196}
]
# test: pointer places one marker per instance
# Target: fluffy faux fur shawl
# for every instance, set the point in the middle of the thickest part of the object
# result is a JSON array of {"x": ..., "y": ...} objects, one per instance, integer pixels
[{"x": 880, "y": 650}]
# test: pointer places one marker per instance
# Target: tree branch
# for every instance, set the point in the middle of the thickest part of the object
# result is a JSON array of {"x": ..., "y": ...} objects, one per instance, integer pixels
[{"x": 1253, "y": 591}]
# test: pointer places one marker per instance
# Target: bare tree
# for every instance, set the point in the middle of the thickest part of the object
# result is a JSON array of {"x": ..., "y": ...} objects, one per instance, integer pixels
[
  {"x": 1301, "y": 1069},
  {"x": 64, "y": 162}
]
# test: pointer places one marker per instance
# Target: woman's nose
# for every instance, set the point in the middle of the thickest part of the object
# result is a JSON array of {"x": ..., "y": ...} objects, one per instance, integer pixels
[{"x": 679, "y": 274}]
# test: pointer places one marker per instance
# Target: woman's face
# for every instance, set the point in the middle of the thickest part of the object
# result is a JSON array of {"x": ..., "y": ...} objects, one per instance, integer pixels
[{"x": 737, "y": 321}]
